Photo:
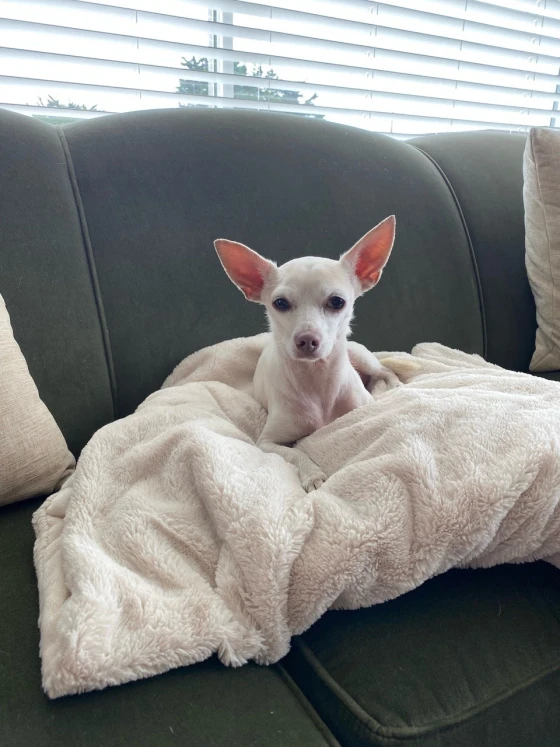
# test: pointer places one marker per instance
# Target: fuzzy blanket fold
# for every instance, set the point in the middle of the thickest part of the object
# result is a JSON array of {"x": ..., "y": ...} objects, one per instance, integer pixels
[{"x": 177, "y": 538}]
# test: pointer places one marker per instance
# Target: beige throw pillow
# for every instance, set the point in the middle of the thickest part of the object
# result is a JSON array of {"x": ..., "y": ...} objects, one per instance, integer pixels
[
  {"x": 541, "y": 195},
  {"x": 34, "y": 458}
]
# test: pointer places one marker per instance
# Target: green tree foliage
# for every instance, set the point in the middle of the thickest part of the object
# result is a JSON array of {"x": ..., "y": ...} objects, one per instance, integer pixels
[
  {"x": 194, "y": 87},
  {"x": 52, "y": 103},
  {"x": 265, "y": 92}
]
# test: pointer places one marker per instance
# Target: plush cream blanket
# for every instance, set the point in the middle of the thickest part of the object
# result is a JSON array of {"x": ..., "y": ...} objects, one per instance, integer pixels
[{"x": 177, "y": 538}]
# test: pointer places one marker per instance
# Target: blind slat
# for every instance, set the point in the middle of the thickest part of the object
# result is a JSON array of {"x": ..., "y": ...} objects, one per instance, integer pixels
[
  {"x": 33, "y": 37},
  {"x": 550, "y": 10},
  {"x": 367, "y": 15},
  {"x": 507, "y": 8},
  {"x": 474, "y": 9},
  {"x": 532, "y": 67},
  {"x": 481, "y": 116},
  {"x": 398, "y": 66},
  {"x": 401, "y": 123},
  {"x": 58, "y": 68},
  {"x": 86, "y": 15}
]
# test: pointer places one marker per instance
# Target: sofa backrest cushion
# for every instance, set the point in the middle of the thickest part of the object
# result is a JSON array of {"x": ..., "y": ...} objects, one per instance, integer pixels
[
  {"x": 485, "y": 171},
  {"x": 46, "y": 281},
  {"x": 159, "y": 187},
  {"x": 108, "y": 267}
]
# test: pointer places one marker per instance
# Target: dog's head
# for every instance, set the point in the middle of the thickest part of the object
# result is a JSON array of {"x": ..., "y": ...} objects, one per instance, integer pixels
[{"x": 309, "y": 301}]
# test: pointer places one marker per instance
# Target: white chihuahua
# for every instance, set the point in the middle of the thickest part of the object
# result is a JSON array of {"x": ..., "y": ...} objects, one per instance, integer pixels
[{"x": 309, "y": 374}]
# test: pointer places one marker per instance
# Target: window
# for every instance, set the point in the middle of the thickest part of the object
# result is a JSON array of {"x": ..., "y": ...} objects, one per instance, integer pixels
[{"x": 402, "y": 67}]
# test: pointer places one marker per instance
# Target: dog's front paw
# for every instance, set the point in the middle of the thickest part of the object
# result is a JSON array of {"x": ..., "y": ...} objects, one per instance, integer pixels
[
  {"x": 313, "y": 481},
  {"x": 382, "y": 381}
]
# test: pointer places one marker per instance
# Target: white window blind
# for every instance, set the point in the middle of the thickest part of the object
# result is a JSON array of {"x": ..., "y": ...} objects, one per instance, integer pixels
[{"x": 402, "y": 67}]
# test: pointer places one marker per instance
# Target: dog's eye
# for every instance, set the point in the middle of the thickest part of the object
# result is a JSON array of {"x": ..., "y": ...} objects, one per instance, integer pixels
[
  {"x": 336, "y": 302},
  {"x": 282, "y": 304}
]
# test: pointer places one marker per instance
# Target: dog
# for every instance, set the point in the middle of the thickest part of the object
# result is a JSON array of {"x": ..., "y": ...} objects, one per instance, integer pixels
[{"x": 309, "y": 374}]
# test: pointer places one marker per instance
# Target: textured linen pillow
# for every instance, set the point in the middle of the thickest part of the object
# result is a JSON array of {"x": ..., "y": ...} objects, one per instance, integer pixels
[
  {"x": 541, "y": 195},
  {"x": 34, "y": 458}
]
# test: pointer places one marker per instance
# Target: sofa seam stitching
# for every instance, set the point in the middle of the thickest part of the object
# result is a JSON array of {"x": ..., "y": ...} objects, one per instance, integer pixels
[
  {"x": 379, "y": 730},
  {"x": 92, "y": 270},
  {"x": 470, "y": 243},
  {"x": 308, "y": 706}
]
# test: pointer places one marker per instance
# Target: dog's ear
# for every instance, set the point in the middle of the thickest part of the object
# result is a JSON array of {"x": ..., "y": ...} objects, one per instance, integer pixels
[
  {"x": 370, "y": 254},
  {"x": 245, "y": 268}
]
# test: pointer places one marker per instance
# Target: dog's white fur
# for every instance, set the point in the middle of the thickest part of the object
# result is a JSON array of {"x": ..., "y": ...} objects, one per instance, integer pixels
[{"x": 309, "y": 374}]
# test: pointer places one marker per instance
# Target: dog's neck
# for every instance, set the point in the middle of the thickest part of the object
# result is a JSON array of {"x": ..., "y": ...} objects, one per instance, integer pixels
[{"x": 320, "y": 378}]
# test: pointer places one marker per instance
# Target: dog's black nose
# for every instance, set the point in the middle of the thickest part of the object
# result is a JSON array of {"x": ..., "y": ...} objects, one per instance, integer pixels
[{"x": 307, "y": 342}]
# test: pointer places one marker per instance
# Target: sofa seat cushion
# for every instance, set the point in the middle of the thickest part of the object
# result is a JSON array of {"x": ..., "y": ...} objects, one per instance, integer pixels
[
  {"x": 470, "y": 658},
  {"x": 207, "y": 705}
]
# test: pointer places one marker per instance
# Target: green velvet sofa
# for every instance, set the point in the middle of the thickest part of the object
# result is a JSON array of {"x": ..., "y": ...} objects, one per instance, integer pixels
[{"x": 109, "y": 274}]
